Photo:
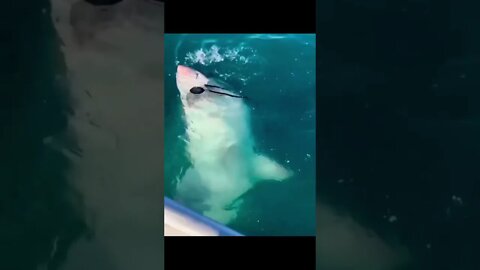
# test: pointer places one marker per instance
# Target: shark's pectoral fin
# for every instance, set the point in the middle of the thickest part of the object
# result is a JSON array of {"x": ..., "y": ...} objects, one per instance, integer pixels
[
  {"x": 235, "y": 204},
  {"x": 268, "y": 169}
]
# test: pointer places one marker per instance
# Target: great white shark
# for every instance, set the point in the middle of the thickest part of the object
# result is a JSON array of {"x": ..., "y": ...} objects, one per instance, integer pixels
[{"x": 220, "y": 146}]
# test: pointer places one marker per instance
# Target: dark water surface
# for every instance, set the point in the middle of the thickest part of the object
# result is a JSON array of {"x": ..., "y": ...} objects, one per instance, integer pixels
[
  {"x": 81, "y": 136},
  {"x": 399, "y": 131},
  {"x": 37, "y": 212}
]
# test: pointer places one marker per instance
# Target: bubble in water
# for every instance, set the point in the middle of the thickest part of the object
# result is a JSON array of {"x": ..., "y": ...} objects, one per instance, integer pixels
[
  {"x": 215, "y": 55},
  {"x": 457, "y": 200},
  {"x": 392, "y": 219}
]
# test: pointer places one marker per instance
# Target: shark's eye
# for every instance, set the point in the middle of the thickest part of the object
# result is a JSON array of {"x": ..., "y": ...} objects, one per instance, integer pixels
[{"x": 197, "y": 90}]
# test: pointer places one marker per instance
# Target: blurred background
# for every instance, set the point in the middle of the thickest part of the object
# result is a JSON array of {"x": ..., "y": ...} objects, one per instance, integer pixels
[
  {"x": 399, "y": 126},
  {"x": 81, "y": 118}
]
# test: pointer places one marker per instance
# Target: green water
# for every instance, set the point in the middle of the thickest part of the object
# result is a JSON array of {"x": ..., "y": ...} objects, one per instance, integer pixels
[{"x": 277, "y": 74}]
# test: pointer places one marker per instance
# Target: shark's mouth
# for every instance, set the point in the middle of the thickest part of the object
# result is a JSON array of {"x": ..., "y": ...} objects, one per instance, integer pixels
[{"x": 208, "y": 87}]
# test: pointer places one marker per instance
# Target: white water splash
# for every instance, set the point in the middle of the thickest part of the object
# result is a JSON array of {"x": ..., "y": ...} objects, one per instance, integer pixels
[
  {"x": 215, "y": 54},
  {"x": 241, "y": 55}
]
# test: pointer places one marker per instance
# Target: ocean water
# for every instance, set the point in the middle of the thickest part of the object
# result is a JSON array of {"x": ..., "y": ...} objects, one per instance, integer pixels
[{"x": 277, "y": 74}]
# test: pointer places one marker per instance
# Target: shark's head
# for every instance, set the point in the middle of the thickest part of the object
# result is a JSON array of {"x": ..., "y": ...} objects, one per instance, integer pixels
[
  {"x": 188, "y": 79},
  {"x": 198, "y": 91}
]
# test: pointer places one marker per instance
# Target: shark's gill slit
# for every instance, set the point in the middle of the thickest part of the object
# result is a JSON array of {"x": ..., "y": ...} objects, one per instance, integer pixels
[{"x": 226, "y": 94}]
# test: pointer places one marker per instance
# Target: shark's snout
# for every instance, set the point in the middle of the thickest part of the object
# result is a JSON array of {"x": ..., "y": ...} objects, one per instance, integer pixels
[
  {"x": 185, "y": 71},
  {"x": 188, "y": 78}
]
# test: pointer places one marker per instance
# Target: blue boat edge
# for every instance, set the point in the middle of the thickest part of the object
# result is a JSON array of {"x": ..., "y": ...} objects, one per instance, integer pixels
[{"x": 212, "y": 224}]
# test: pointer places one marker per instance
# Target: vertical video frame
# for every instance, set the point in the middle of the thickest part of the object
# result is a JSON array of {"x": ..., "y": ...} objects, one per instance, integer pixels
[{"x": 239, "y": 135}]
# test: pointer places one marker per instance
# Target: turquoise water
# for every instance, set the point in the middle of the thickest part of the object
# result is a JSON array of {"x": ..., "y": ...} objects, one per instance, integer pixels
[{"x": 277, "y": 74}]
